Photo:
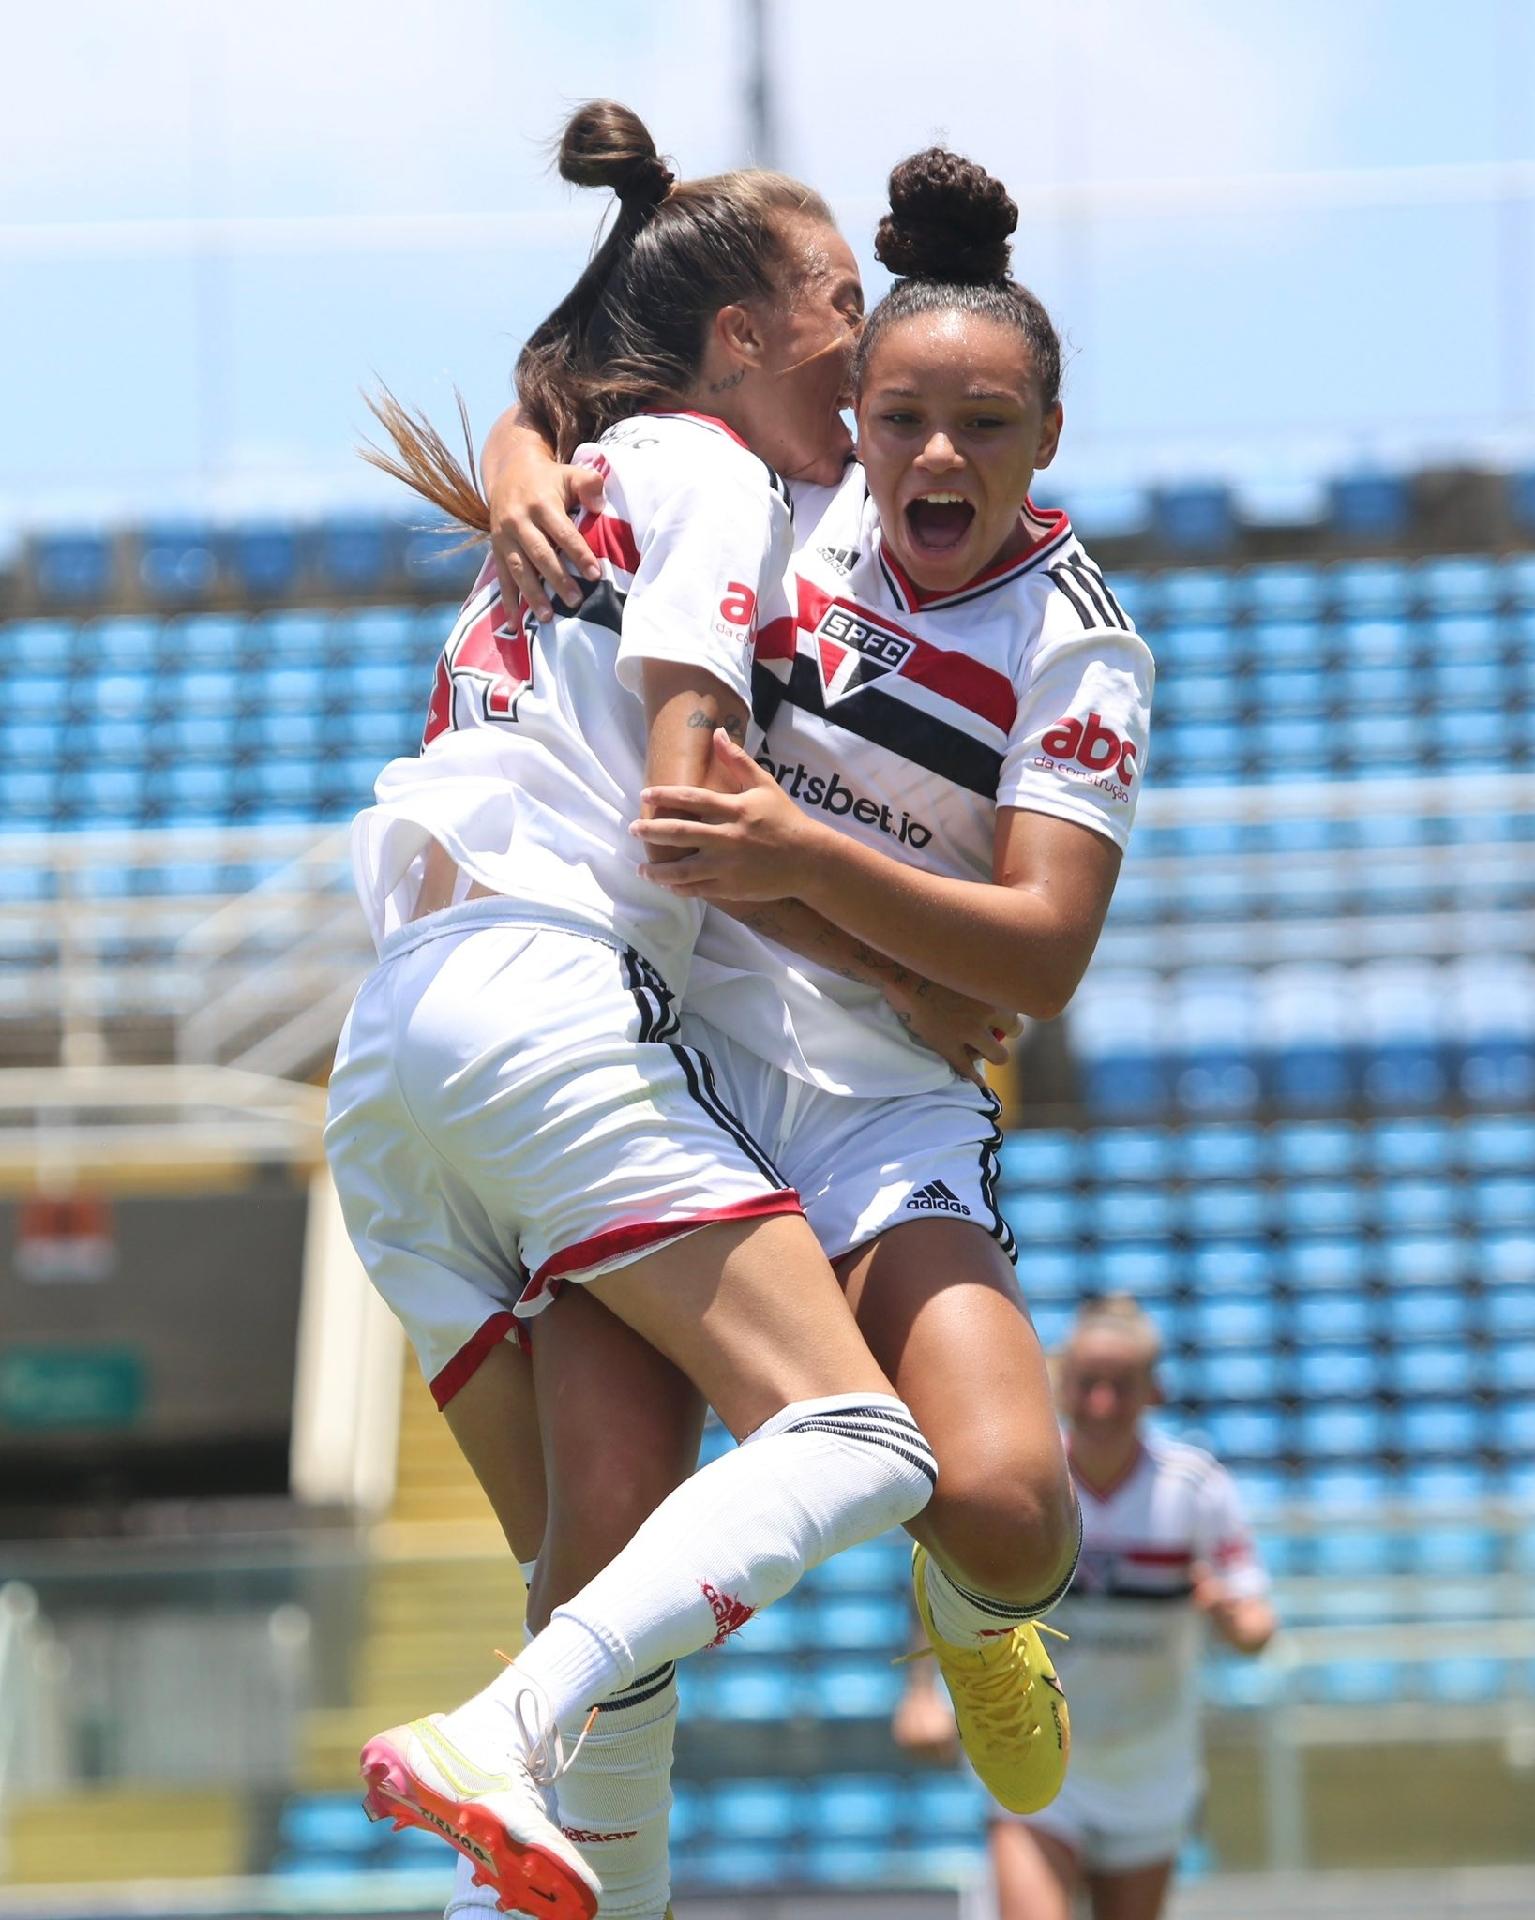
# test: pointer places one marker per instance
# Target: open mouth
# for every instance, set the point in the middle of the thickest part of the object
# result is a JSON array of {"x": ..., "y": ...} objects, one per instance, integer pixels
[{"x": 938, "y": 522}]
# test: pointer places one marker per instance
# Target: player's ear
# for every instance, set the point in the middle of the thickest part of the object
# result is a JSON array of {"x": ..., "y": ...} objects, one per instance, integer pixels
[
  {"x": 738, "y": 334},
  {"x": 1049, "y": 435}
]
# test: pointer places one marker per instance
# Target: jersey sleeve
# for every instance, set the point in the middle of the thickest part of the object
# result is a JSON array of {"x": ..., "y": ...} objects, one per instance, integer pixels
[
  {"x": 1222, "y": 1538},
  {"x": 714, "y": 548},
  {"x": 1077, "y": 748}
]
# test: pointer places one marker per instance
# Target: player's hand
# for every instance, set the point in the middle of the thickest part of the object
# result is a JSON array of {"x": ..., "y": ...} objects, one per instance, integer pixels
[
  {"x": 538, "y": 553},
  {"x": 924, "y": 1724},
  {"x": 962, "y": 1031},
  {"x": 748, "y": 843}
]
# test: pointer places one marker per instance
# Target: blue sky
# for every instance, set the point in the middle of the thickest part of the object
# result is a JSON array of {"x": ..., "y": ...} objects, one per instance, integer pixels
[{"x": 1273, "y": 236}]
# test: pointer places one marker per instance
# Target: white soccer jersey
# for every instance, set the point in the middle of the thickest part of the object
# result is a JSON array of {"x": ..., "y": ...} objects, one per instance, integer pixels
[
  {"x": 909, "y": 718},
  {"x": 534, "y": 751},
  {"x": 1130, "y": 1668}
]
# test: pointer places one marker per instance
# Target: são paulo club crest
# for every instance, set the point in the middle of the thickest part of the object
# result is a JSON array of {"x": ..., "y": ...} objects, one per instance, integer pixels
[{"x": 851, "y": 650}]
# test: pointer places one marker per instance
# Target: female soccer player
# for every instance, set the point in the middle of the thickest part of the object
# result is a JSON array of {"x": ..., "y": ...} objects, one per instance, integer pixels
[
  {"x": 956, "y": 712},
  {"x": 509, "y": 1089},
  {"x": 1164, "y": 1546}
]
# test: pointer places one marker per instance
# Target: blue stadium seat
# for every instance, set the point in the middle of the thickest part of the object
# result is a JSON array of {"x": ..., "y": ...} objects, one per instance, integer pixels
[
  {"x": 1339, "y": 1429},
  {"x": 1290, "y": 692},
  {"x": 1464, "y": 584},
  {"x": 73, "y": 569},
  {"x": 1195, "y": 519},
  {"x": 1116, "y": 1156},
  {"x": 1513, "y": 1433},
  {"x": 1418, "y": 1205},
  {"x": 1255, "y": 1374},
  {"x": 1508, "y": 1311},
  {"x": 756, "y": 1809},
  {"x": 1244, "y": 1433},
  {"x": 1219, "y": 1151},
  {"x": 1409, "y": 1146},
  {"x": 1321, "y": 1206},
  {"x": 1450, "y": 1552},
  {"x": 1297, "y": 1148},
  {"x": 1370, "y": 506},
  {"x": 358, "y": 554},
  {"x": 1466, "y": 1677},
  {"x": 849, "y": 1688},
  {"x": 1331, "y": 1317},
  {"x": 1131, "y": 1213},
  {"x": 1451, "y": 1488},
  {"x": 1236, "y": 1321},
  {"x": 1422, "y": 1259},
  {"x": 1351, "y": 1370},
  {"x": 1354, "y": 1682},
  {"x": 440, "y": 561},
  {"x": 1117, "y": 1027},
  {"x": 1428, "y": 1313},
  {"x": 1371, "y": 589},
  {"x": 263, "y": 558},
  {"x": 1230, "y": 1266},
  {"x": 735, "y": 1863},
  {"x": 1148, "y": 1269},
  {"x": 1504, "y": 1143},
  {"x": 177, "y": 560},
  {"x": 1353, "y": 1554},
  {"x": 1045, "y": 1272},
  {"x": 1039, "y": 1157},
  {"x": 1447, "y": 1428},
  {"x": 1331, "y": 1262},
  {"x": 1283, "y": 592},
  {"x": 857, "y": 1623},
  {"x": 1511, "y": 1366},
  {"x": 1040, "y": 1216},
  {"x": 1502, "y": 1201}
]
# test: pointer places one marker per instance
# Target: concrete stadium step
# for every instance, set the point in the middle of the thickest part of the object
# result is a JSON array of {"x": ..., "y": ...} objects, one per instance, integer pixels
[{"x": 122, "y": 1834}]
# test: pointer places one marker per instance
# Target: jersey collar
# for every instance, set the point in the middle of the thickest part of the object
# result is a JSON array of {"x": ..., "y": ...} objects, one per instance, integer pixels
[
  {"x": 914, "y": 599},
  {"x": 699, "y": 419},
  {"x": 1125, "y": 1476}
]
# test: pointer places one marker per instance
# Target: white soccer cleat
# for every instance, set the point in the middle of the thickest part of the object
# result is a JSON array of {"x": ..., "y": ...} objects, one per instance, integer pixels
[{"x": 417, "y": 1777}]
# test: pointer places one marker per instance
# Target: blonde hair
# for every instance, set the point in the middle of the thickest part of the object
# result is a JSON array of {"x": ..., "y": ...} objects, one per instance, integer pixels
[{"x": 1119, "y": 1314}]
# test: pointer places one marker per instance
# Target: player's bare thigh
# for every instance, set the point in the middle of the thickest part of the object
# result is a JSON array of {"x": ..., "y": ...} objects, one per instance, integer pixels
[
  {"x": 495, "y": 1422},
  {"x": 1036, "y": 1874},
  {"x": 1135, "y": 1894},
  {"x": 938, "y": 1303}
]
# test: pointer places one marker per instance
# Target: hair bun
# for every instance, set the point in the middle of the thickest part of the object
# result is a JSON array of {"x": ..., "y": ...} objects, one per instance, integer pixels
[
  {"x": 948, "y": 220},
  {"x": 604, "y": 144}
]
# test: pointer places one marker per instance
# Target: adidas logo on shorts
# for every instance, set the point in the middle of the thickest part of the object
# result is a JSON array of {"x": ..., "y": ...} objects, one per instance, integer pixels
[{"x": 935, "y": 1197}]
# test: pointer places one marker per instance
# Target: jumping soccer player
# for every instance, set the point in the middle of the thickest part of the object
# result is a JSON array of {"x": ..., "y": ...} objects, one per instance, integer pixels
[
  {"x": 956, "y": 715},
  {"x": 510, "y": 1091}
]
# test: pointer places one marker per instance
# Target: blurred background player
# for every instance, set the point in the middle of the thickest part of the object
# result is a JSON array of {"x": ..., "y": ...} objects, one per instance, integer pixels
[{"x": 1164, "y": 1545}]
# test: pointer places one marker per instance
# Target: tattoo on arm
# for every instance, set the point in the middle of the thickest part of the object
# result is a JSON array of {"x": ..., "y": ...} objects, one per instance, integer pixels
[{"x": 735, "y": 727}]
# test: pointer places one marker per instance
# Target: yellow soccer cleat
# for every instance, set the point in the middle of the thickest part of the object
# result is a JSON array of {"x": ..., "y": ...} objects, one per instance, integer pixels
[{"x": 1011, "y": 1711}]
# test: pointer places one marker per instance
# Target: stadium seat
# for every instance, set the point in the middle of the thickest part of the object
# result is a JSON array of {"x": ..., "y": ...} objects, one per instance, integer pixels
[
  {"x": 177, "y": 561},
  {"x": 1370, "y": 506},
  {"x": 1321, "y": 1206},
  {"x": 1226, "y": 1151},
  {"x": 1447, "y": 1428},
  {"x": 358, "y": 555},
  {"x": 72, "y": 569},
  {"x": 1340, "y": 1429},
  {"x": 1038, "y": 1157},
  {"x": 1228, "y": 1265},
  {"x": 264, "y": 559},
  {"x": 1195, "y": 519},
  {"x": 1329, "y": 1317},
  {"x": 1338, "y": 1371}
]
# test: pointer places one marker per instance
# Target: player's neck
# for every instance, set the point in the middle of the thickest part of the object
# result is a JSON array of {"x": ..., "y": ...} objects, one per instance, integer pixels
[{"x": 1102, "y": 1465}]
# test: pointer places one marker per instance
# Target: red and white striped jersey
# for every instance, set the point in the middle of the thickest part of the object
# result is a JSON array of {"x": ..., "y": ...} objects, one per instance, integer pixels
[
  {"x": 534, "y": 750},
  {"x": 1130, "y": 1668},
  {"x": 908, "y": 719}
]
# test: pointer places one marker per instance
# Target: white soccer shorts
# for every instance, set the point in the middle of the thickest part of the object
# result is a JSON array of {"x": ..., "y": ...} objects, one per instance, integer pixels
[
  {"x": 1116, "y": 1826},
  {"x": 512, "y": 1108},
  {"x": 864, "y": 1165}
]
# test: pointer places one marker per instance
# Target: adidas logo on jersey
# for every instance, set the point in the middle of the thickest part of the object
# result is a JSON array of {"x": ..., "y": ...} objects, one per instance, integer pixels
[
  {"x": 840, "y": 559},
  {"x": 935, "y": 1197},
  {"x": 851, "y": 650}
]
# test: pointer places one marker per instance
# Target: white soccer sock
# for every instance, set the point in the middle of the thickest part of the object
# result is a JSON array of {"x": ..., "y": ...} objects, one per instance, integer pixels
[
  {"x": 615, "y": 1800},
  {"x": 819, "y": 1476},
  {"x": 965, "y": 1618}
]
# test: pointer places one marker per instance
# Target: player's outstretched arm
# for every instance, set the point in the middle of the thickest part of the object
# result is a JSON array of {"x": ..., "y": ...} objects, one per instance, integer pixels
[{"x": 537, "y": 550}]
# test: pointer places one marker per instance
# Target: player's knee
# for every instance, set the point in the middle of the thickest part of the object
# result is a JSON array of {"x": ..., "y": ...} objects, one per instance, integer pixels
[{"x": 1006, "y": 1533}]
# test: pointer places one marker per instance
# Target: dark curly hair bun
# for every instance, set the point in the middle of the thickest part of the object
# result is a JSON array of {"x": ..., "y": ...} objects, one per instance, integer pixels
[
  {"x": 604, "y": 144},
  {"x": 948, "y": 220}
]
